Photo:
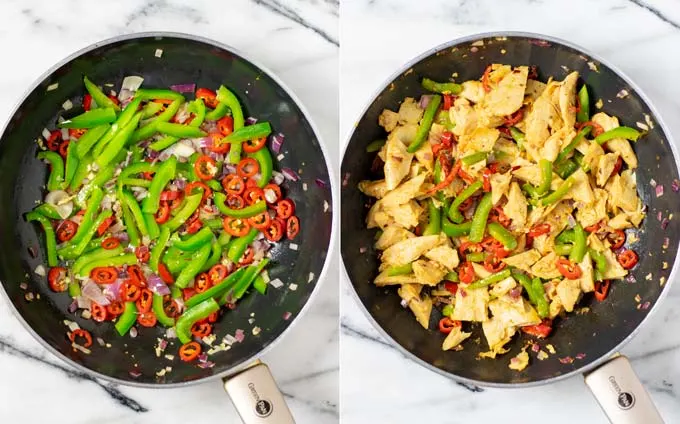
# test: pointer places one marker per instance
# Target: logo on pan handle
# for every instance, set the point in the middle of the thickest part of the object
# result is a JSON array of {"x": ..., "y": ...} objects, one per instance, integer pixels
[
  {"x": 263, "y": 407},
  {"x": 625, "y": 400}
]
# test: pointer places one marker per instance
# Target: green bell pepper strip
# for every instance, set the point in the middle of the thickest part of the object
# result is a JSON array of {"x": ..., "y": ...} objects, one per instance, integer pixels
[
  {"x": 563, "y": 249},
  {"x": 247, "y": 212},
  {"x": 565, "y": 168},
  {"x": 230, "y": 100},
  {"x": 123, "y": 119},
  {"x": 491, "y": 279},
  {"x": 452, "y": 276},
  {"x": 159, "y": 311},
  {"x": 74, "y": 289},
  {"x": 518, "y": 136},
  {"x": 195, "y": 241},
  {"x": 137, "y": 168},
  {"x": 455, "y": 230},
  {"x": 264, "y": 159},
  {"x": 546, "y": 176},
  {"x": 213, "y": 223},
  {"x": 566, "y": 236},
  {"x": 95, "y": 255},
  {"x": 525, "y": 281},
  {"x": 85, "y": 241},
  {"x": 435, "y": 220},
  {"x": 438, "y": 175},
  {"x": 260, "y": 285},
  {"x": 580, "y": 244},
  {"x": 151, "y": 109},
  {"x": 90, "y": 138},
  {"x": 599, "y": 259},
  {"x": 152, "y": 226},
  {"x": 475, "y": 257},
  {"x": 251, "y": 132},
  {"x": 129, "y": 222},
  {"x": 425, "y": 124},
  {"x": 104, "y": 175},
  {"x": 137, "y": 182},
  {"x": 179, "y": 130},
  {"x": 163, "y": 143},
  {"x": 137, "y": 154},
  {"x": 189, "y": 272},
  {"x": 479, "y": 218},
  {"x": 133, "y": 207},
  {"x": 101, "y": 99},
  {"x": 158, "y": 94},
  {"x": 441, "y": 87},
  {"x": 214, "y": 258},
  {"x": 197, "y": 107},
  {"x": 224, "y": 238},
  {"x": 235, "y": 153},
  {"x": 238, "y": 247},
  {"x": 217, "y": 289},
  {"x": 619, "y": 132},
  {"x": 375, "y": 146},
  {"x": 165, "y": 173},
  {"x": 396, "y": 270},
  {"x": 90, "y": 119},
  {"x": 453, "y": 213},
  {"x": 127, "y": 319},
  {"x": 81, "y": 172},
  {"x": 474, "y": 158},
  {"x": 71, "y": 164},
  {"x": 196, "y": 313},
  {"x": 158, "y": 248},
  {"x": 118, "y": 142},
  {"x": 214, "y": 184},
  {"x": 175, "y": 259},
  {"x": 542, "y": 306},
  {"x": 47, "y": 210},
  {"x": 573, "y": 143},
  {"x": 93, "y": 203},
  {"x": 248, "y": 277},
  {"x": 558, "y": 194},
  {"x": 447, "y": 310},
  {"x": 150, "y": 129},
  {"x": 499, "y": 232},
  {"x": 56, "y": 178},
  {"x": 50, "y": 238},
  {"x": 583, "y": 114},
  {"x": 125, "y": 259},
  {"x": 192, "y": 203},
  {"x": 218, "y": 113}
]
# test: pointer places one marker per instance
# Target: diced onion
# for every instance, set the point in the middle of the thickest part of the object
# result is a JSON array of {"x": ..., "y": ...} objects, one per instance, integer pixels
[
  {"x": 277, "y": 142},
  {"x": 289, "y": 174},
  {"x": 183, "y": 88},
  {"x": 67, "y": 105},
  {"x": 157, "y": 285},
  {"x": 61, "y": 202},
  {"x": 276, "y": 283},
  {"x": 92, "y": 291},
  {"x": 132, "y": 83}
]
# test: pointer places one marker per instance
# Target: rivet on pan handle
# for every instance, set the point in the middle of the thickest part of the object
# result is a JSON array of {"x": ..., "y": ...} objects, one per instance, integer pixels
[
  {"x": 256, "y": 396},
  {"x": 621, "y": 395}
]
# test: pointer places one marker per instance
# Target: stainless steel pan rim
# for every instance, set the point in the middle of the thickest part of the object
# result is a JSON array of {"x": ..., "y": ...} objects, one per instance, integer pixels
[
  {"x": 657, "y": 117},
  {"x": 333, "y": 184}
]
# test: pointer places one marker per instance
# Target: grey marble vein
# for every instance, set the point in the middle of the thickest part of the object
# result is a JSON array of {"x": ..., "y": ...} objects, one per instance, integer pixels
[
  {"x": 111, "y": 389},
  {"x": 287, "y": 12},
  {"x": 326, "y": 407},
  {"x": 157, "y": 6},
  {"x": 655, "y": 12}
]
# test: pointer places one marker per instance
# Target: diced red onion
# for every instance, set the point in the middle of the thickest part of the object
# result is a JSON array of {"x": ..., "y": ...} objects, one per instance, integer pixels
[
  {"x": 135, "y": 374},
  {"x": 32, "y": 251},
  {"x": 287, "y": 315},
  {"x": 659, "y": 216},
  {"x": 666, "y": 243},
  {"x": 239, "y": 335},
  {"x": 162, "y": 344},
  {"x": 289, "y": 174},
  {"x": 659, "y": 190},
  {"x": 216, "y": 156},
  {"x": 515, "y": 293},
  {"x": 580, "y": 355},
  {"x": 566, "y": 360},
  {"x": 206, "y": 142},
  {"x": 183, "y": 88},
  {"x": 83, "y": 302},
  {"x": 278, "y": 177},
  {"x": 652, "y": 182},
  {"x": 250, "y": 120},
  {"x": 646, "y": 305},
  {"x": 209, "y": 126},
  {"x": 631, "y": 278},
  {"x": 535, "y": 347},
  {"x": 157, "y": 285},
  {"x": 675, "y": 185},
  {"x": 112, "y": 291},
  {"x": 203, "y": 357},
  {"x": 571, "y": 222},
  {"x": 277, "y": 142},
  {"x": 540, "y": 43},
  {"x": 180, "y": 183},
  {"x": 424, "y": 100},
  {"x": 462, "y": 292},
  {"x": 664, "y": 223},
  {"x": 206, "y": 364},
  {"x": 345, "y": 180},
  {"x": 93, "y": 292},
  {"x": 321, "y": 183},
  {"x": 73, "y": 306}
]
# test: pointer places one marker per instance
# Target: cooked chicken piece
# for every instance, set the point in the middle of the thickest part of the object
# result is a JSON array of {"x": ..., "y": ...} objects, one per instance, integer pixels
[
  {"x": 497, "y": 335},
  {"x": 471, "y": 304},
  {"x": 556, "y": 142},
  {"x": 480, "y": 271},
  {"x": 568, "y": 99},
  {"x": 524, "y": 260},
  {"x": 556, "y": 308},
  {"x": 587, "y": 280},
  {"x": 463, "y": 115},
  {"x": 486, "y": 118},
  {"x": 617, "y": 145},
  {"x": 455, "y": 338},
  {"x": 392, "y": 235},
  {"x": 519, "y": 362},
  {"x": 546, "y": 267},
  {"x": 444, "y": 255},
  {"x": 516, "y": 208},
  {"x": 569, "y": 292},
  {"x": 534, "y": 90},
  {"x": 595, "y": 243},
  {"x": 626, "y": 220},
  {"x": 591, "y": 214},
  {"x": 528, "y": 172},
  {"x": 405, "y": 191},
  {"x": 376, "y": 189},
  {"x": 506, "y": 151},
  {"x": 480, "y": 140},
  {"x": 543, "y": 116},
  {"x": 425, "y": 156},
  {"x": 558, "y": 217},
  {"x": 385, "y": 280},
  {"x": 614, "y": 269},
  {"x": 406, "y": 215},
  {"x": 502, "y": 287},
  {"x": 581, "y": 190},
  {"x": 388, "y": 120},
  {"x": 514, "y": 312},
  {"x": 604, "y": 167},
  {"x": 397, "y": 161},
  {"x": 623, "y": 191},
  {"x": 376, "y": 217},
  {"x": 507, "y": 96},
  {"x": 428, "y": 272},
  {"x": 410, "y": 112},
  {"x": 500, "y": 184},
  {"x": 408, "y": 292},
  {"x": 409, "y": 250},
  {"x": 422, "y": 308},
  {"x": 591, "y": 153}
]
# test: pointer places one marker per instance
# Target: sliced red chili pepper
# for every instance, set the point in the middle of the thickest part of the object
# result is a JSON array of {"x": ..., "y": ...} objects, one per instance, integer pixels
[
  {"x": 539, "y": 229},
  {"x": 145, "y": 300},
  {"x": 63, "y": 149},
  {"x": 104, "y": 275},
  {"x": 448, "y": 101},
  {"x": 192, "y": 186},
  {"x": 490, "y": 244},
  {"x": 115, "y": 308},
  {"x": 568, "y": 269},
  {"x": 218, "y": 273},
  {"x": 446, "y": 325},
  {"x": 217, "y": 145},
  {"x": 148, "y": 175},
  {"x": 188, "y": 293},
  {"x": 226, "y": 125},
  {"x": 136, "y": 275},
  {"x": 541, "y": 330},
  {"x": 237, "y": 227},
  {"x": 143, "y": 254},
  {"x": 83, "y": 334},
  {"x": 486, "y": 81},
  {"x": 465, "y": 176},
  {"x": 234, "y": 201},
  {"x": 205, "y": 167},
  {"x": 212, "y": 318},
  {"x": 513, "y": 119},
  {"x": 208, "y": 96},
  {"x": 467, "y": 204},
  {"x": 248, "y": 257},
  {"x": 170, "y": 195},
  {"x": 292, "y": 227},
  {"x": 202, "y": 282},
  {"x": 147, "y": 319},
  {"x": 87, "y": 102},
  {"x": 533, "y": 72},
  {"x": 252, "y": 146},
  {"x": 466, "y": 272},
  {"x": 110, "y": 243},
  {"x": 499, "y": 167},
  {"x": 54, "y": 140},
  {"x": 492, "y": 263},
  {"x": 451, "y": 287},
  {"x": 105, "y": 225},
  {"x": 66, "y": 230},
  {"x": 602, "y": 289},
  {"x": 253, "y": 194},
  {"x": 250, "y": 182},
  {"x": 627, "y": 258},
  {"x": 98, "y": 312},
  {"x": 594, "y": 227},
  {"x": 617, "y": 238},
  {"x": 248, "y": 167},
  {"x": 170, "y": 306},
  {"x": 260, "y": 221},
  {"x": 165, "y": 274},
  {"x": 275, "y": 231},
  {"x": 174, "y": 204},
  {"x": 469, "y": 247},
  {"x": 114, "y": 99},
  {"x": 486, "y": 180},
  {"x": 617, "y": 166},
  {"x": 274, "y": 192},
  {"x": 129, "y": 292},
  {"x": 597, "y": 128},
  {"x": 201, "y": 329},
  {"x": 162, "y": 215},
  {"x": 190, "y": 351},
  {"x": 56, "y": 278},
  {"x": 233, "y": 184},
  {"x": 285, "y": 208},
  {"x": 194, "y": 226},
  {"x": 497, "y": 215}
]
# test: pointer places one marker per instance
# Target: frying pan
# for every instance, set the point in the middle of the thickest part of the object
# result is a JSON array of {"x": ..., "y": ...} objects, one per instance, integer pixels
[
  {"x": 183, "y": 59},
  {"x": 594, "y": 337}
]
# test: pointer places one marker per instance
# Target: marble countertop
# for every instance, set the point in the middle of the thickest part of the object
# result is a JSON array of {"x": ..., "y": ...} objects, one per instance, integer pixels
[
  {"x": 379, "y": 384},
  {"x": 38, "y": 387}
]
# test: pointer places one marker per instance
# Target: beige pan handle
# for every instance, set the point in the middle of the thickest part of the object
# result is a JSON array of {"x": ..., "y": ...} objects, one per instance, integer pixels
[
  {"x": 256, "y": 397},
  {"x": 621, "y": 394}
]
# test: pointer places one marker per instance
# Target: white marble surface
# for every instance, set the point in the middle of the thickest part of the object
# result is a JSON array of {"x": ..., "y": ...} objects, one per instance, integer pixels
[
  {"x": 379, "y": 385},
  {"x": 298, "y": 40}
]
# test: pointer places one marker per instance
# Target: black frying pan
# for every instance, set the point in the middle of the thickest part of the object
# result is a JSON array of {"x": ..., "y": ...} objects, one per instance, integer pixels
[
  {"x": 185, "y": 59},
  {"x": 610, "y": 324}
]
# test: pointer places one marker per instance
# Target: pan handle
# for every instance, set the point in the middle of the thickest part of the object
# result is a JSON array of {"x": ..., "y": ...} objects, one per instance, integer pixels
[
  {"x": 620, "y": 393},
  {"x": 256, "y": 396}
]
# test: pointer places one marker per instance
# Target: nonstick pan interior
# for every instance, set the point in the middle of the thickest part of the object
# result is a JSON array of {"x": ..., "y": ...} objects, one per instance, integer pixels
[
  {"x": 184, "y": 59},
  {"x": 581, "y": 340}
]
